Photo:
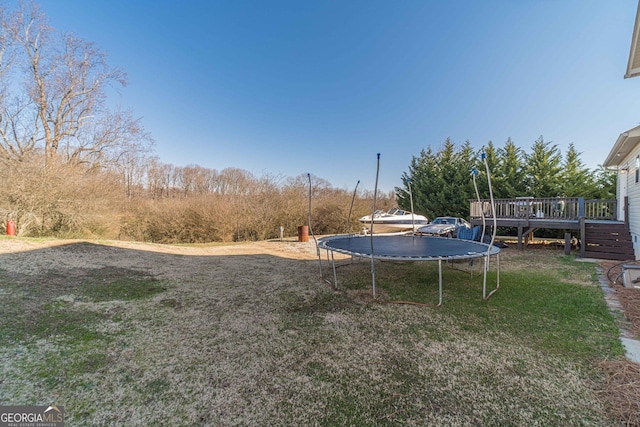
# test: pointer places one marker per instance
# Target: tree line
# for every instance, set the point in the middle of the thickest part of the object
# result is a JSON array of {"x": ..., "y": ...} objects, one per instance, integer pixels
[
  {"x": 196, "y": 204},
  {"x": 442, "y": 184},
  {"x": 172, "y": 204}
]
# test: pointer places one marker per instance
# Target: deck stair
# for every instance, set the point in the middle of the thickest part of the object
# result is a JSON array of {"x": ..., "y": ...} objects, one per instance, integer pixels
[
  {"x": 607, "y": 240},
  {"x": 604, "y": 235}
]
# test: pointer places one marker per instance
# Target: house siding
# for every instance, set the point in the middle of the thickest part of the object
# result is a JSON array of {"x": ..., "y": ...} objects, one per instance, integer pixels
[
  {"x": 621, "y": 193},
  {"x": 633, "y": 193}
]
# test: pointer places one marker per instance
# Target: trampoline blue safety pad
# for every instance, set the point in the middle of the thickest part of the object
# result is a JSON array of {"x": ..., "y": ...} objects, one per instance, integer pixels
[{"x": 407, "y": 247}]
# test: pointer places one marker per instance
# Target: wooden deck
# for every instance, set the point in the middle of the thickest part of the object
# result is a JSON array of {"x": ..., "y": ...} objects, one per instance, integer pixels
[
  {"x": 524, "y": 209},
  {"x": 600, "y": 231}
]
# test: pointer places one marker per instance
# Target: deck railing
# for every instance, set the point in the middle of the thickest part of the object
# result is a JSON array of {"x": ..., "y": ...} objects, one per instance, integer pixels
[
  {"x": 601, "y": 209},
  {"x": 560, "y": 208}
]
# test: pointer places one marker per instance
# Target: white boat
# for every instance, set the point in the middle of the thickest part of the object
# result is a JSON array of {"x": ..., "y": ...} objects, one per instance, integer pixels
[{"x": 393, "y": 221}]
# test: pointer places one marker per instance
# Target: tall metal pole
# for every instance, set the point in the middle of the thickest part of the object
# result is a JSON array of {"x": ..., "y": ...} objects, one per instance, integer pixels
[
  {"x": 413, "y": 221},
  {"x": 474, "y": 172},
  {"x": 311, "y": 230},
  {"x": 493, "y": 205},
  {"x": 373, "y": 264},
  {"x": 495, "y": 230}
]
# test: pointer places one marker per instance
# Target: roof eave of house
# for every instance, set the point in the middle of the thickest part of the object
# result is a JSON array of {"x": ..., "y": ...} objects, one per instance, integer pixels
[
  {"x": 633, "y": 65},
  {"x": 624, "y": 145}
]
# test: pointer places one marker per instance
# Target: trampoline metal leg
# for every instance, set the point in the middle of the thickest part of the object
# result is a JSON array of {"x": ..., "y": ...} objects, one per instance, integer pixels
[
  {"x": 331, "y": 261},
  {"x": 484, "y": 278},
  {"x": 440, "y": 282},
  {"x": 335, "y": 276},
  {"x": 484, "y": 294},
  {"x": 373, "y": 277}
]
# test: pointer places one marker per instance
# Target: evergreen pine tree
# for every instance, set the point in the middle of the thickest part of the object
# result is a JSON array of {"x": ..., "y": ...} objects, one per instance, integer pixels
[
  {"x": 511, "y": 170},
  {"x": 577, "y": 180},
  {"x": 543, "y": 169}
]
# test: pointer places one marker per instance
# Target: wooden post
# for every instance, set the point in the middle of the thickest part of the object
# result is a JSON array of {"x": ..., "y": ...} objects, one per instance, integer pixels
[
  {"x": 520, "y": 238},
  {"x": 567, "y": 243},
  {"x": 583, "y": 240},
  {"x": 581, "y": 211}
]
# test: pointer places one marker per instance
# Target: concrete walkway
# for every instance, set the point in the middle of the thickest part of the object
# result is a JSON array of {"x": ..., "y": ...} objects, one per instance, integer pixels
[{"x": 629, "y": 341}]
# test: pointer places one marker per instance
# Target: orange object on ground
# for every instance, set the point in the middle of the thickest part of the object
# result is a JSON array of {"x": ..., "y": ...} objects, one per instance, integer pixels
[{"x": 11, "y": 228}]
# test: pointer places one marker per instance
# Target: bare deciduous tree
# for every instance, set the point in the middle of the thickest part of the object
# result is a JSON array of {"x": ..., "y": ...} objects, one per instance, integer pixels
[
  {"x": 57, "y": 98},
  {"x": 159, "y": 178}
]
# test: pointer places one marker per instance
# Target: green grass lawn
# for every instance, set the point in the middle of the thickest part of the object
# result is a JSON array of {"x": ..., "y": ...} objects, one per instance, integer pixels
[
  {"x": 545, "y": 308},
  {"x": 230, "y": 346}
]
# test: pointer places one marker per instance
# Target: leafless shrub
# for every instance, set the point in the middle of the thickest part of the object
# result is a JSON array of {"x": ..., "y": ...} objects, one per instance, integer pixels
[
  {"x": 58, "y": 199},
  {"x": 194, "y": 220},
  {"x": 193, "y": 204}
]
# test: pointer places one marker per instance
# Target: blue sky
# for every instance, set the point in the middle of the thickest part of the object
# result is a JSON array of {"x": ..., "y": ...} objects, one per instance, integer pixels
[{"x": 291, "y": 87}]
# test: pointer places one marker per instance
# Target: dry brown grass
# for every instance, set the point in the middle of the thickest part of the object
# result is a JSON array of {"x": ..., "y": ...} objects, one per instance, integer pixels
[
  {"x": 629, "y": 298},
  {"x": 621, "y": 393},
  {"x": 622, "y": 390},
  {"x": 249, "y": 335}
]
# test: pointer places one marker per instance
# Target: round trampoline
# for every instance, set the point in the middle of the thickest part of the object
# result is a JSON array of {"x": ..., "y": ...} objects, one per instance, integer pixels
[{"x": 408, "y": 247}]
